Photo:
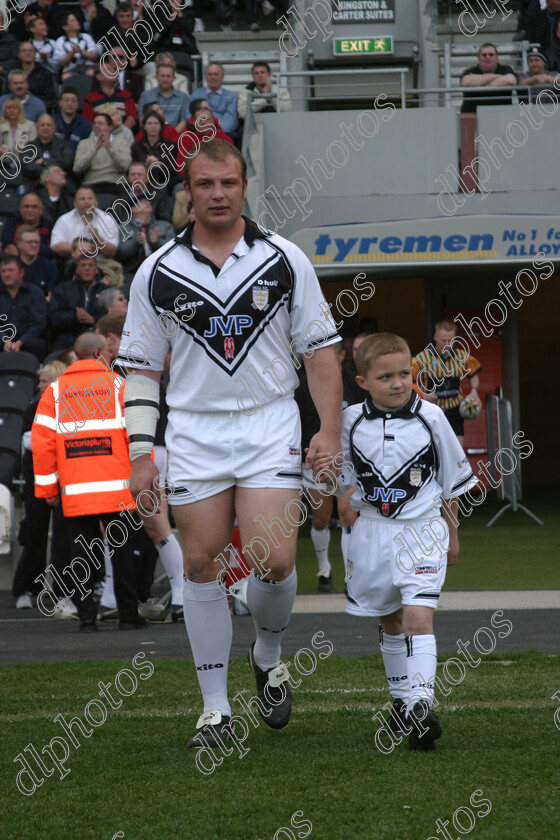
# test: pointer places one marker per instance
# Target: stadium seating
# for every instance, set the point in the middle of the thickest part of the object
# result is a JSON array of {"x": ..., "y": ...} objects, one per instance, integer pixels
[{"x": 18, "y": 371}]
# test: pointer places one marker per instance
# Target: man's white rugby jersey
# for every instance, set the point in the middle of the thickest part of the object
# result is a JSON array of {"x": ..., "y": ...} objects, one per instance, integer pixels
[
  {"x": 404, "y": 461},
  {"x": 233, "y": 332}
]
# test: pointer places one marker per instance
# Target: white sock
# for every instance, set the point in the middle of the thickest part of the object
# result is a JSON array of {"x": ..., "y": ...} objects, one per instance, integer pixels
[
  {"x": 271, "y": 605},
  {"x": 208, "y": 624},
  {"x": 108, "y": 599},
  {"x": 421, "y": 666},
  {"x": 344, "y": 543},
  {"x": 321, "y": 540},
  {"x": 393, "y": 651},
  {"x": 171, "y": 558}
]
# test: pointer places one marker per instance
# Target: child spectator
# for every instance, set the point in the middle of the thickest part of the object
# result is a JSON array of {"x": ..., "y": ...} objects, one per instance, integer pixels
[
  {"x": 75, "y": 51},
  {"x": 403, "y": 457},
  {"x": 44, "y": 46}
]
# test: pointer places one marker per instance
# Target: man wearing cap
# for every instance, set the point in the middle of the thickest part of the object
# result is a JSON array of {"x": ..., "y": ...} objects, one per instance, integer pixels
[{"x": 537, "y": 77}]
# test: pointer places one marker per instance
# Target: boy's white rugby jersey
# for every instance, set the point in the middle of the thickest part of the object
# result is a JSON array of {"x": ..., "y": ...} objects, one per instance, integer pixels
[
  {"x": 404, "y": 461},
  {"x": 234, "y": 332}
]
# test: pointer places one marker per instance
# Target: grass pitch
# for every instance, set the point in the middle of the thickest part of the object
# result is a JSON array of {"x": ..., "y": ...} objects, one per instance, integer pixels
[{"x": 495, "y": 765}]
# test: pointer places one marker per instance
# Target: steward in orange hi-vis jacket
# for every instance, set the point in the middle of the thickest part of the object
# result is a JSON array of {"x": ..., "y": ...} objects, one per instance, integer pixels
[
  {"x": 80, "y": 451},
  {"x": 80, "y": 443}
]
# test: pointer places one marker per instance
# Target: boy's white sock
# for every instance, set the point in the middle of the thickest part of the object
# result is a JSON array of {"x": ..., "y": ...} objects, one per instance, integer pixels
[
  {"x": 321, "y": 540},
  {"x": 421, "y": 655},
  {"x": 393, "y": 651},
  {"x": 208, "y": 624},
  {"x": 171, "y": 558}
]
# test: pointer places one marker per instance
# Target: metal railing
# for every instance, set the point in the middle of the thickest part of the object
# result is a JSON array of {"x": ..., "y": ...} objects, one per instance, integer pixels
[{"x": 315, "y": 78}]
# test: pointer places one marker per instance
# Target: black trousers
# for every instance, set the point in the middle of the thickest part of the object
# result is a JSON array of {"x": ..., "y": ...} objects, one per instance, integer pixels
[
  {"x": 85, "y": 531},
  {"x": 35, "y": 531}
]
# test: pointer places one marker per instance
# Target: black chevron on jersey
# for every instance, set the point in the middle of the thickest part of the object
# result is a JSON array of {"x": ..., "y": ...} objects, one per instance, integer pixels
[
  {"x": 389, "y": 494},
  {"x": 226, "y": 330}
]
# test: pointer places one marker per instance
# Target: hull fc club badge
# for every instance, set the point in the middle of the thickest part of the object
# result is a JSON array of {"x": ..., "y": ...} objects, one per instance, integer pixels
[
  {"x": 415, "y": 477},
  {"x": 260, "y": 298}
]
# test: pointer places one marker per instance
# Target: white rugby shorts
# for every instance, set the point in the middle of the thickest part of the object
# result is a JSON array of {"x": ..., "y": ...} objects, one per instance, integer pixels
[
  {"x": 210, "y": 451},
  {"x": 312, "y": 484},
  {"x": 395, "y": 562}
]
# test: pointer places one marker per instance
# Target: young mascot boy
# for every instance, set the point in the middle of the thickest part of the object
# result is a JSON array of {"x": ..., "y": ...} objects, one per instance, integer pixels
[{"x": 408, "y": 466}]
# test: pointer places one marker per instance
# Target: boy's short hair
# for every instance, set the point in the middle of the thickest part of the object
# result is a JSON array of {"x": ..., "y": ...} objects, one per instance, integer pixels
[
  {"x": 113, "y": 323},
  {"x": 380, "y": 344}
]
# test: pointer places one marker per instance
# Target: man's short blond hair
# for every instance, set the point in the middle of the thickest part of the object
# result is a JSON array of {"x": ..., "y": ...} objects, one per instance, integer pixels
[
  {"x": 374, "y": 346},
  {"x": 446, "y": 324}
]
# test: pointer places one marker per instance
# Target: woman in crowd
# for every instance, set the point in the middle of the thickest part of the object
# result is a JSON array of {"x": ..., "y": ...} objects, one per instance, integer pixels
[
  {"x": 152, "y": 147},
  {"x": 14, "y": 127}
]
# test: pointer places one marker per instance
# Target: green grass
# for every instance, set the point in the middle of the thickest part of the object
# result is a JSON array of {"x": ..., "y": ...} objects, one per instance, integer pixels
[
  {"x": 135, "y": 775},
  {"x": 515, "y": 553}
]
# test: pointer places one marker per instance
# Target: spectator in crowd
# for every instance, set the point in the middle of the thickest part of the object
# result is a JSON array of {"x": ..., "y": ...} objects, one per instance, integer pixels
[
  {"x": 15, "y": 131},
  {"x": 70, "y": 125},
  {"x": 223, "y": 10},
  {"x": 60, "y": 475},
  {"x": 30, "y": 212},
  {"x": 48, "y": 149},
  {"x": 553, "y": 52},
  {"x": 85, "y": 221},
  {"x": 269, "y": 94},
  {"x": 222, "y": 102},
  {"x": 438, "y": 371},
  {"x": 39, "y": 78},
  {"x": 173, "y": 102},
  {"x": 8, "y": 46},
  {"x": 202, "y": 125},
  {"x": 75, "y": 52},
  {"x": 38, "y": 271},
  {"x": 143, "y": 235},
  {"x": 107, "y": 90},
  {"x": 537, "y": 78},
  {"x": 73, "y": 305},
  {"x": 23, "y": 308},
  {"x": 180, "y": 82},
  {"x": 120, "y": 131},
  {"x": 86, "y": 246},
  {"x": 152, "y": 148},
  {"x": 48, "y": 10},
  {"x": 539, "y": 21},
  {"x": 53, "y": 192},
  {"x": 101, "y": 159},
  {"x": 487, "y": 72},
  {"x": 127, "y": 78},
  {"x": 19, "y": 89},
  {"x": 43, "y": 45},
  {"x": 94, "y": 19},
  {"x": 35, "y": 525},
  {"x": 112, "y": 302},
  {"x": 169, "y": 131},
  {"x": 176, "y": 36},
  {"x": 124, "y": 17},
  {"x": 183, "y": 211},
  {"x": 140, "y": 187}
]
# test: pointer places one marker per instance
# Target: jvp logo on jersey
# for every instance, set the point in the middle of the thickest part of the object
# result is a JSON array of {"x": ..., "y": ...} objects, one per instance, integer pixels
[
  {"x": 226, "y": 325},
  {"x": 387, "y": 495}
]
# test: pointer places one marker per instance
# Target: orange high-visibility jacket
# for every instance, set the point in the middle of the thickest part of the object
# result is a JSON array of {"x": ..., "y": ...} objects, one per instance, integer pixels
[{"x": 79, "y": 442}]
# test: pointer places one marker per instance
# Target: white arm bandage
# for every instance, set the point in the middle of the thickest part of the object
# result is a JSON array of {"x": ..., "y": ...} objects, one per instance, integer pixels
[{"x": 141, "y": 412}]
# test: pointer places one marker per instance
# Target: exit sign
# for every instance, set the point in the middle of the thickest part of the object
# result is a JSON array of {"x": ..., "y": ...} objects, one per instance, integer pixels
[{"x": 346, "y": 46}]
